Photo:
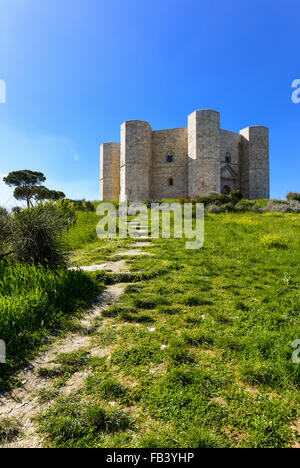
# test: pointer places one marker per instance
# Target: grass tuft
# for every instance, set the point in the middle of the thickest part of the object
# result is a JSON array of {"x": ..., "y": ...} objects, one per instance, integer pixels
[{"x": 10, "y": 429}]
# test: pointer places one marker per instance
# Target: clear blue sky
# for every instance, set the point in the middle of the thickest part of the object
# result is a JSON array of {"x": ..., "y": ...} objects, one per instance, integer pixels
[{"x": 76, "y": 69}]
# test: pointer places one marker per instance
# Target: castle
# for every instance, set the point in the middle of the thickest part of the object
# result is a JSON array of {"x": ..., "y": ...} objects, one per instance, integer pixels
[{"x": 185, "y": 162}]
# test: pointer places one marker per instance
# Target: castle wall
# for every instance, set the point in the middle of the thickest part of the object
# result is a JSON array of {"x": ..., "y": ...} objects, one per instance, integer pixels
[
  {"x": 136, "y": 155},
  {"x": 229, "y": 143},
  {"x": 169, "y": 142},
  {"x": 203, "y": 153},
  {"x": 110, "y": 171},
  {"x": 138, "y": 169}
]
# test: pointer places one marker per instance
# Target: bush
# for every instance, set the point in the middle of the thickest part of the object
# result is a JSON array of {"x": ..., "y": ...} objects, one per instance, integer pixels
[
  {"x": 283, "y": 206},
  {"x": 76, "y": 205},
  {"x": 218, "y": 199},
  {"x": 3, "y": 211},
  {"x": 66, "y": 206},
  {"x": 5, "y": 232},
  {"x": 293, "y": 196},
  {"x": 294, "y": 206},
  {"x": 243, "y": 205},
  {"x": 228, "y": 207},
  {"x": 16, "y": 209},
  {"x": 214, "y": 198},
  {"x": 36, "y": 236},
  {"x": 236, "y": 196},
  {"x": 88, "y": 206},
  {"x": 213, "y": 208}
]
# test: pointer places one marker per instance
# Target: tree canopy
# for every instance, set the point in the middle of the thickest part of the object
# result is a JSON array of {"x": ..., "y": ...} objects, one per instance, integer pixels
[{"x": 29, "y": 188}]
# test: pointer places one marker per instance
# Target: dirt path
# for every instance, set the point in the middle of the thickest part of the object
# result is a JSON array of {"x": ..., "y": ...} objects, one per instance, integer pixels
[{"x": 24, "y": 403}]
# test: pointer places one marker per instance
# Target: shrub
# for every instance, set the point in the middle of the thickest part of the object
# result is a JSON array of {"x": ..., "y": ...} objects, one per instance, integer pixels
[
  {"x": 16, "y": 209},
  {"x": 293, "y": 196},
  {"x": 245, "y": 205},
  {"x": 214, "y": 198},
  {"x": 283, "y": 206},
  {"x": 294, "y": 206},
  {"x": 36, "y": 236},
  {"x": 256, "y": 209},
  {"x": 3, "y": 211},
  {"x": 88, "y": 206},
  {"x": 213, "y": 208},
  {"x": 229, "y": 207},
  {"x": 236, "y": 196},
  {"x": 66, "y": 206},
  {"x": 5, "y": 232}
]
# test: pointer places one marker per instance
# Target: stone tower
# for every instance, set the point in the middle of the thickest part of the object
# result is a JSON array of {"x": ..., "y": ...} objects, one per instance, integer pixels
[
  {"x": 203, "y": 152},
  {"x": 136, "y": 160},
  {"x": 254, "y": 162},
  {"x": 110, "y": 171}
]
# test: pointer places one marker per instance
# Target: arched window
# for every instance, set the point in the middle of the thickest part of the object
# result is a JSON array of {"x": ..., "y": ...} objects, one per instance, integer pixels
[
  {"x": 228, "y": 158},
  {"x": 171, "y": 182},
  {"x": 170, "y": 158}
]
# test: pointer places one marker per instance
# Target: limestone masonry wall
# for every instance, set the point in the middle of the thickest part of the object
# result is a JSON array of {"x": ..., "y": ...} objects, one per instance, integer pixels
[
  {"x": 110, "y": 171},
  {"x": 169, "y": 179},
  {"x": 230, "y": 173},
  {"x": 189, "y": 161}
]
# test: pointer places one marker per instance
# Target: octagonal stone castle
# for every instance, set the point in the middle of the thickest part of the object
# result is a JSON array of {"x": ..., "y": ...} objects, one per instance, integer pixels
[{"x": 185, "y": 162}]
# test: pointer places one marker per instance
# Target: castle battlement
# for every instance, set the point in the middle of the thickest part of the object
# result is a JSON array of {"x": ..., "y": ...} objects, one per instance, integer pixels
[{"x": 185, "y": 162}]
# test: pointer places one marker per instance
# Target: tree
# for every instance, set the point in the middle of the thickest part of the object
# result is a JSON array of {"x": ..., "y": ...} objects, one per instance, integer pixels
[
  {"x": 28, "y": 187},
  {"x": 25, "y": 182},
  {"x": 293, "y": 196},
  {"x": 42, "y": 194}
]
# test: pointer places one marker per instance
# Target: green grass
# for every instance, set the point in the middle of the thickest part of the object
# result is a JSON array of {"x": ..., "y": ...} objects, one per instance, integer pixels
[
  {"x": 76, "y": 423},
  {"x": 34, "y": 303},
  {"x": 200, "y": 344},
  {"x": 212, "y": 367},
  {"x": 83, "y": 232},
  {"x": 84, "y": 244}
]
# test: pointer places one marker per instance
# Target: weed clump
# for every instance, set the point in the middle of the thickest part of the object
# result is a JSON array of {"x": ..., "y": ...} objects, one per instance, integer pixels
[
  {"x": 9, "y": 429},
  {"x": 274, "y": 241}
]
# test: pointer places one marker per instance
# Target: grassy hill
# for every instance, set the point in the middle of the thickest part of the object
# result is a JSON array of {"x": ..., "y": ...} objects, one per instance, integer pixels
[
  {"x": 200, "y": 345},
  {"x": 202, "y": 351}
]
